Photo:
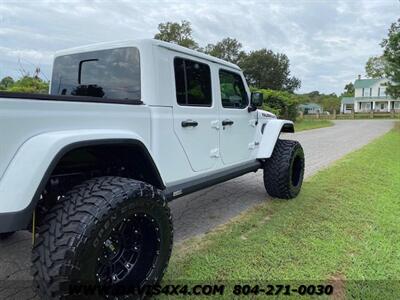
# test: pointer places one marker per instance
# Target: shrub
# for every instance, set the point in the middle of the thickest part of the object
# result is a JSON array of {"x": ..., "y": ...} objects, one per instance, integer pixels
[
  {"x": 281, "y": 103},
  {"x": 28, "y": 84}
]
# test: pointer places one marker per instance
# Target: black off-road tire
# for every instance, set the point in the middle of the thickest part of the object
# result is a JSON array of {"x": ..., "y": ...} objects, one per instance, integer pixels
[
  {"x": 77, "y": 232},
  {"x": 284, "y": 170},
  {"x": 5, "y": 235}
]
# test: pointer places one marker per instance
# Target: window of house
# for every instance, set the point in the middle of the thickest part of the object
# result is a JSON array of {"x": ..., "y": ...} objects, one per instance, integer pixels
[
  {"x": 367, "y": 92},
  {"x": 192, "y": 82},
  {"x": 233, "y": 92}
]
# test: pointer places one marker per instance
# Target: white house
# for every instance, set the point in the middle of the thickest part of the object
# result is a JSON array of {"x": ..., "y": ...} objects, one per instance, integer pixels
[{"x": 370, "y": 94}]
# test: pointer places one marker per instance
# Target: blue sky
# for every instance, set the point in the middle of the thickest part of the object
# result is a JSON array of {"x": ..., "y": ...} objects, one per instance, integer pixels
[{"x": 327, "y": 42}]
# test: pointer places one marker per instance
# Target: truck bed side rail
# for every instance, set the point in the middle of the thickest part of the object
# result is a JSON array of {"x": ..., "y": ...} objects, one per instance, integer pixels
[{"x": 47, "y": 97}]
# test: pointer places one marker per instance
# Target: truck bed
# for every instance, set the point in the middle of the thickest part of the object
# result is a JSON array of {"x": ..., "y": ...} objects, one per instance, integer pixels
[{"x": 23, "y": 116}]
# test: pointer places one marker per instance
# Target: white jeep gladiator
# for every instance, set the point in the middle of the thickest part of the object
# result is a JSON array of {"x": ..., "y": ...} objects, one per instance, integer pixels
[{"x": 127, "y": 127}]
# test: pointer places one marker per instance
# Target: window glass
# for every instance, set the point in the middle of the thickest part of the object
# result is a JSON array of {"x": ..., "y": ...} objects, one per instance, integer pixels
[
  {"x": 113, "y": 74},
  {"x": 180, "y": 81},
  {"x": 367, "y": 92},
  {"x": 233, "y": 92},
  {"x": 193, "y": 82}
]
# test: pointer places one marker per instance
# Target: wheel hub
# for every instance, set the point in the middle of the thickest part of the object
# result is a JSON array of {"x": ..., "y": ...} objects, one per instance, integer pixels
[{"x": 132, "y": 244}]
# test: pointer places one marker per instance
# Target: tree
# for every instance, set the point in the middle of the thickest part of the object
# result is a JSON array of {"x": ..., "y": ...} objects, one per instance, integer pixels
[
  {"x": 375, "y": 67},
  {"x": 348, "y": 90},
  {"x": 6, "y": 83},
  {"x": 228, "y": 49},
  {"x": 28, "y": 84},
  {"x": 391, "y": 54},
  {"x": 313, "y": 94},
  {"x": 329, "y": 102},
  {"x": 282, "y": 103},
  {"x": 174, "y": 32},
  {"x": 267, "y": 70}
]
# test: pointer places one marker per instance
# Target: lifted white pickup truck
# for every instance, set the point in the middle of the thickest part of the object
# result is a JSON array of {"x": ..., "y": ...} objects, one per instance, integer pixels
[{"x": 126, "y": 127}]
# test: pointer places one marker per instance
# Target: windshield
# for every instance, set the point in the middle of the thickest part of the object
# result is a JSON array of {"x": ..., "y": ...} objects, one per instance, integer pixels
[{"x": 113, "y": 74}]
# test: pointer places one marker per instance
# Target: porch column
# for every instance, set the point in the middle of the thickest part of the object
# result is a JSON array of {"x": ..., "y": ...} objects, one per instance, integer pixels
[
  {"x": 355, "y": 106},
  {"x": 342, "y": 108},
  {"x": 388, "y": 105},
  {"x": 373, "y": 105}
]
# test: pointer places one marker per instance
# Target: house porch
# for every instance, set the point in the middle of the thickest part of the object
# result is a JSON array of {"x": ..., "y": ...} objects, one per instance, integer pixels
[{"x": 377, "y": 106}]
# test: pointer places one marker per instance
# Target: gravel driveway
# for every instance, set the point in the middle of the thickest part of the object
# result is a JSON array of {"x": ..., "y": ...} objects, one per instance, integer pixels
[{"x": 200, "y": 212}]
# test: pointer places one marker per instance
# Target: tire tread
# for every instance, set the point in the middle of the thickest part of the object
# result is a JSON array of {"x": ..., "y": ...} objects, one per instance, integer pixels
[
  {"x": 276, "y": 170},
  {"x": 66, "y": 222}
]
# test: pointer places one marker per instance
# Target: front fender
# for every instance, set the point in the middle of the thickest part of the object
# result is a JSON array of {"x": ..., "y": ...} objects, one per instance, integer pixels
[
  {"x": 272, "y": 130},
  {"x": 23, "y": 178}
]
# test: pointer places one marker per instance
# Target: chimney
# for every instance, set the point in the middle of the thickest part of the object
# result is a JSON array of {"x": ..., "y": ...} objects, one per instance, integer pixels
[{"x": 359, "y": 76}]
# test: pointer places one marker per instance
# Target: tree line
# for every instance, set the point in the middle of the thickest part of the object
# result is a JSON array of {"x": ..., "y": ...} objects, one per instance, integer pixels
[
  {"x": 265, "y": 70},
  {"x": 25, "y": 84},
  {"x": 262, "y": 68}
]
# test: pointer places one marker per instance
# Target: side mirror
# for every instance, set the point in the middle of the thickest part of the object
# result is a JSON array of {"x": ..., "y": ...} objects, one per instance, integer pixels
[{"x": 256, "y": 101}]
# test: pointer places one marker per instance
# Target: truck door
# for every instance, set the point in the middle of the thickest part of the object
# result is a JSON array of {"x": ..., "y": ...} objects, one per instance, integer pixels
[
  {"x": 195, "y": 113},
  {"x": 238, "y": 131}
]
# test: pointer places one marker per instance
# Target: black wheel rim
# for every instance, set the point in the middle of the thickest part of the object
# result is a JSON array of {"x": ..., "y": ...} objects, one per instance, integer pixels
[
  {"x": 130, "y": 251},
  {"x": 297, "y": 170}
]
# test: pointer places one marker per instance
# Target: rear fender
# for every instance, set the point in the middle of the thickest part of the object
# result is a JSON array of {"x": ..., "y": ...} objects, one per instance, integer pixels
[{"x": 25, "y": 176}]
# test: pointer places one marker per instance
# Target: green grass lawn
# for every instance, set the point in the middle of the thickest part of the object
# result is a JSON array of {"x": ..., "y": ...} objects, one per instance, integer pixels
[
  {"x": 311, "y": 124},
  {"x": 343, "y": 229}
]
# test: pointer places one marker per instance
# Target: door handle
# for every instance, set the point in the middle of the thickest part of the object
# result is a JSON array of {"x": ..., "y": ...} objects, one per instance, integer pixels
[
  {"x": 189, "y": 123},
  {"x": 227, "y": 122}
]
